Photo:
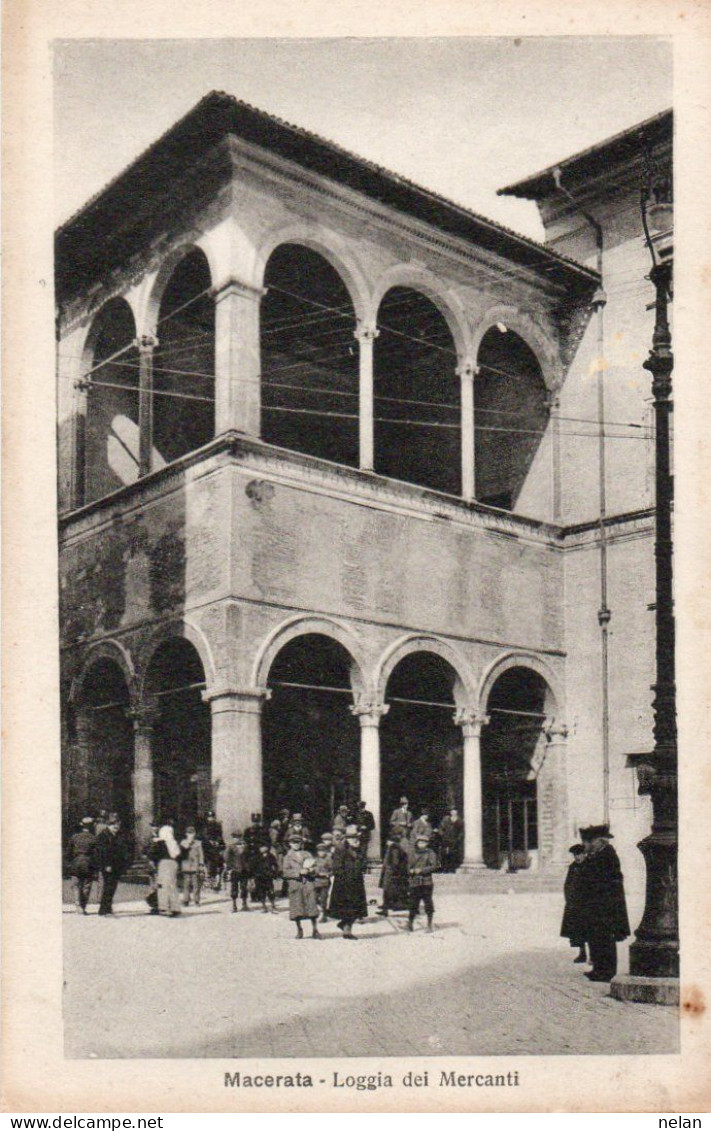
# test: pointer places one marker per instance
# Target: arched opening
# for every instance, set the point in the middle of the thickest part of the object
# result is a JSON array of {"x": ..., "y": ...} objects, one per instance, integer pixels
[
  {"x": 512, "y": 752},
  {"x": 511, "y": 415},
  {"x": 309, "y": 357},
  {"x": 107, "y": 451},
  {"x": 184, "y": 363},
  {"x": 417, "y": 393},
  {"x": 181, "y": 745},
  {"x": 108, "y": 735},
  {"x": 310, "y": 738},
  {"x": 420, "y": 745}
]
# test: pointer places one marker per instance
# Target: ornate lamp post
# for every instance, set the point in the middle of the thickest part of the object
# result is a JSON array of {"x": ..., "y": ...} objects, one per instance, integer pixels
[{"x": 654, "y": 955}]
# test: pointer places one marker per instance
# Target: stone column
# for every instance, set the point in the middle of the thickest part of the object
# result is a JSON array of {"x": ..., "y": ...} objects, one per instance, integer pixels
[
  {"x": 79, "y": 786},
  {"x": 144, "y": 720},
  {"x": 553, "y": 782},
  {"x": 366, "y": 333},
  {"x": 369, "y": 714},
  {"x": 471, "y": 722},
  {"x": 236, "y": 753},
  {"x": 553, "y": 405},
  {"x": 237, "y": 358},
  {"x": 466, "y": 371},
  {"x": 146, "y": 346}
]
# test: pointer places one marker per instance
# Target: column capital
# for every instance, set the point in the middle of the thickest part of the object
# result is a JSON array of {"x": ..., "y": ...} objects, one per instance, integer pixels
[
  {"x": 144, "y": 716},
  {"x": 471, "y": 721},
  {"x": 245, "y": 700},
  {"x": 235, "y": 288},
  {"x": 146, "y": 343},
  {"x": 467, "y": 369},
  {"x": 555, "y": 730},
  {"x": 366, "y": 331},
  {"x": 369, "y": 712}
]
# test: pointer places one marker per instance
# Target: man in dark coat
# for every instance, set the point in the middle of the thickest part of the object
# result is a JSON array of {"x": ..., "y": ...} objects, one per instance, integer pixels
[
  {"x": 348, "y": 901},
  {"x": 451, "y": 832},
  {"x": 401, "y": 817},
  {"x": 112, "y": 859},
  {"x": 573, "y": 927},
  {"x": 602, "y": 901},
  {"x": 83, "y": 862},
  {"x": 213, "y": 845},
  {"x": 395, "y": 877}
]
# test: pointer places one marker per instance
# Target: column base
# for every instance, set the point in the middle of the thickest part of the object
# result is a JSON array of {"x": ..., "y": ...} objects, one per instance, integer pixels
[
  {"x": 651, "y": 991},
  {"x": 471, "y": 866}
]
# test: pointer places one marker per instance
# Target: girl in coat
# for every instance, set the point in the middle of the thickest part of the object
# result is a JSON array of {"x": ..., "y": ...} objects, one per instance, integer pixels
[
  {"x": 299, "y": 870},
  {"x": 348, "y": 902}
]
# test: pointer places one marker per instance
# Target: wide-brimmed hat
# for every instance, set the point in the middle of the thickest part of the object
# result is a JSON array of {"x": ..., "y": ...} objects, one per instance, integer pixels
[
  {"x": 295, "y": 838},
  {"x": 422, "y": 836},
  {"x": 87, "y": 820},
  {"x": 592, "y": 832}
]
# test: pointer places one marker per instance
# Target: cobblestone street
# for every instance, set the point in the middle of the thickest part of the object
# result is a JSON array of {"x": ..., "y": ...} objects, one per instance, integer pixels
[{"x": 495, "y": 978}]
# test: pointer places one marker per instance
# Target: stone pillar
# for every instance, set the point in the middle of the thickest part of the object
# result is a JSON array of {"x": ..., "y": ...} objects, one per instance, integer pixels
[
  {"x": 236, "y": 753},
  {"x": 553, "y": 790},
  {"x": 146, "y": 346},
  {"x": 466, "y": 371},
  {"x": 471, "y": 722},
  {"x": 553, "y": 405},
  {"x": 144, "y": 720},
  {"x": 79, "y": 786},
  {"x": 366, "y": 333},
  {"x": 369, "y": 715},
  {"x": 237, "y": 358}
]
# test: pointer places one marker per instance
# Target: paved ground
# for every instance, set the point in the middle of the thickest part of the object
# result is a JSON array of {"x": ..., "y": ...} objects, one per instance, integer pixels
[{"x": 493, "y": 979}]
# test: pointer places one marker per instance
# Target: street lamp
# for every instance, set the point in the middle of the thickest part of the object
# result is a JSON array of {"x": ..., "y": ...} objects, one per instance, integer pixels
[{"x": 654, "y": 955}]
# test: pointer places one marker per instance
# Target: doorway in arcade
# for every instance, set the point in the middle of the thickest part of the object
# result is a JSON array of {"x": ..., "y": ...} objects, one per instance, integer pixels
[
  {"x": 420, "y": 744},
  {"x": 512, "y": 745},
  {"x": 310, "y": 738}
]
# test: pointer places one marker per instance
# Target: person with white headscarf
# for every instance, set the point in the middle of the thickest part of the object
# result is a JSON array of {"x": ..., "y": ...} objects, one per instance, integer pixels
[{"x": 165, "y": 852}]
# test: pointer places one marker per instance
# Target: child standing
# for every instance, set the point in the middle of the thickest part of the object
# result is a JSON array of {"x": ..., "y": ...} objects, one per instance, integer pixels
[
  {"x": 423, "y": 863},
  {"x": 237, "y": 865},
  {"x": 264, "y": 871},
  {"x": 299, "y": 870},
  {"x": 324, "y": 871},
  {"x": 193, "y": 866}
]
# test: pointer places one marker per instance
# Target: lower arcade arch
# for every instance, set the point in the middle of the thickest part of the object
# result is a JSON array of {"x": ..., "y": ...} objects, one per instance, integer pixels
[
  {"x": 181, "y": 739},
  {"x": 420, "y": 743},
  {"x": 104, "y": 735},
  {"x": 513, "y": 748},
  {"x": 310, "y": 737}
]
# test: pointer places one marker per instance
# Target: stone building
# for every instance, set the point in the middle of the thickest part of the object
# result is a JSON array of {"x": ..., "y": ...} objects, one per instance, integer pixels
[{"x": 330, "y": 496}]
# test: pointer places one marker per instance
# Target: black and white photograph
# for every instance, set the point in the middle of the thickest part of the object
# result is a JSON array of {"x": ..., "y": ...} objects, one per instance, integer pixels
[{"x": 366, "y": 557}]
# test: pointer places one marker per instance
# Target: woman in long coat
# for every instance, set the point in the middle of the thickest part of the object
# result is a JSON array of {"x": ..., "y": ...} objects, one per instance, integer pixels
[
  {"x": 165, "y": 853},
  {"x": 348, "y": 902},
  {"x": 299, "y": 869},
  {"x": 573, "y": 926},
  {"x": 394, "y": 877}
]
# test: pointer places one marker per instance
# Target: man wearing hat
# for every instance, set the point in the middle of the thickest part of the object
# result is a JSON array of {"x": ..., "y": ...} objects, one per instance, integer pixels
[
  {"x": 401, "y": 817},
  {"x": 348, "y": 901},
  {"x": 422, "y": 863},
  {"x": 298, "y": 828},
  {"x": 603, "y": 911},
  {"x": 112, "y": 858},
  {"x": 237, "y": 867},
  {"x": 300, "y": 871},
  {"x": 572, "y": 926},
  {"x": 83, "y": 862}
]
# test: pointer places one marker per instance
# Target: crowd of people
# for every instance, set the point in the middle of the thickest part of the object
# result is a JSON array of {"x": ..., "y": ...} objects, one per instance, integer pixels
[
  {"x": 595, "y": 916},
  {"x": 322, "y": 876}
]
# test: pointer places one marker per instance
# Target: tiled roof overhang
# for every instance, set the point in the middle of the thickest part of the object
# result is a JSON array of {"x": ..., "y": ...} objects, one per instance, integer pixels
[
  {"x": 113, "y": 225},
  {"x": 591, "y": 162}
]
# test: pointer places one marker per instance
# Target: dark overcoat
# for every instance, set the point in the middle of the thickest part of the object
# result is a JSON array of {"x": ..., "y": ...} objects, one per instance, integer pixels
[
  {"x": 348, "y": 892},
  {"x": 83, "y": 855},
  {"x": 112, "y": 852},
  {"x": 395, "y": 878},
  {"x": 573, "y": 925},
  {"x": 603, "y": 910}
]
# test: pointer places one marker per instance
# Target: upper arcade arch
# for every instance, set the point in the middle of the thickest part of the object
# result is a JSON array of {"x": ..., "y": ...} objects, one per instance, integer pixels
[
  {"x": 542, "y": 346},
  {"x": 324, "y": 243},
  {"x": 111, "y": 650},
  {"x": 442, "y": 297},
  {"x": 149, "y": 310}
]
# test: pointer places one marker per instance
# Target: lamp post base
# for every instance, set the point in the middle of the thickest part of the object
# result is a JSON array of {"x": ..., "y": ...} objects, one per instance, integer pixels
[{"x": 650, "y": 991}]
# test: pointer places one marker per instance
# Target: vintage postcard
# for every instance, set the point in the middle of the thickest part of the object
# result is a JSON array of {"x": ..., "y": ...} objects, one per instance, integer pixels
[{"x": 355, "y": 554}]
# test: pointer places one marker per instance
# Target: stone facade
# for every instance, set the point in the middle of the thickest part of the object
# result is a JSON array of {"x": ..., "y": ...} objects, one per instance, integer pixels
[{"x": 241, "y": 547}]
